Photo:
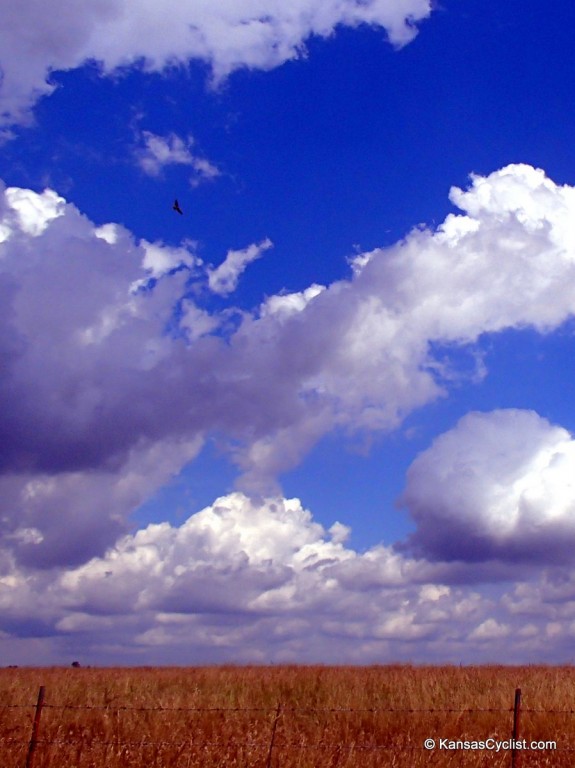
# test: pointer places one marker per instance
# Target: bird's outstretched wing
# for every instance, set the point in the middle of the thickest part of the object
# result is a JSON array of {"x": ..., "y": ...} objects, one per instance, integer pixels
[{"x": 176, "y": 207}]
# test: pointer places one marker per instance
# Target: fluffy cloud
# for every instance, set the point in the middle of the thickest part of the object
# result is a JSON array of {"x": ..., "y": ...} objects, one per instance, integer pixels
[
  {"x": 228, "y": 35},
  {"x": 224, "y": 278},
  {"x": 108, "y": 353},
  {"x": 363, "y": 350},
  {"x": 498, "y": 486},
  {"x": 243, "y": 581},
  {"x": 158, "y": 151},
  {"x": 71, "y": 317},
  {"x": 296, "y": 587}
]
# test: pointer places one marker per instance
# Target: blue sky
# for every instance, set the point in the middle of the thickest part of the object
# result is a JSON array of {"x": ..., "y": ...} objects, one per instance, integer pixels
[{"x": 353, "y": 352}]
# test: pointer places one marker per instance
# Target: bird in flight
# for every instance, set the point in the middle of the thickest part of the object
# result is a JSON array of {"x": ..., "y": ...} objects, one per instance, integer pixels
[{"x": 176, "y": 207}]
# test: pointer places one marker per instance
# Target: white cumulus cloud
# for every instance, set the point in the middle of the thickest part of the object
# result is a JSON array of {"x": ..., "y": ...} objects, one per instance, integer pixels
[
  {"x": 498, "y": 486},
  {"x": 37, "y": 38},
  {"x": 259, "y": 581},
  {"x": 224, "y": 278},
  {"x": 245, "y": 581}
]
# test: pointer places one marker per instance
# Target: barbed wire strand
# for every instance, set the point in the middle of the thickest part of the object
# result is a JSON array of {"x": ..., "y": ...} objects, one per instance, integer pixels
[
  {"x": 419, "y": 710},
  {"x": 125, "y": 708}
]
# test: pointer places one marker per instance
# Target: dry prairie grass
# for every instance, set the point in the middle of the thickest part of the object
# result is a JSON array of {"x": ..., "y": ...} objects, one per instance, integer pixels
[{"x": 224, "y": 716}]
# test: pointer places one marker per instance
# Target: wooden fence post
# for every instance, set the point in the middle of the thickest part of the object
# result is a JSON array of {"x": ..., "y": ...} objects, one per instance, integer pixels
[
  {"x": 274, "y": 726},
  {"x": 35, "y": 726},
  {"x": 516, "y": 753}
]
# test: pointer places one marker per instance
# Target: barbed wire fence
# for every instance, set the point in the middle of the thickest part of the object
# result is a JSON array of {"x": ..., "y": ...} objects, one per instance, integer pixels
[{"x": 270, "y": 744}]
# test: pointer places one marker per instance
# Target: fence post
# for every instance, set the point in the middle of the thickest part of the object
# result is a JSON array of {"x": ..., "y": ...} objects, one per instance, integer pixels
[
  {"x": 516, "y": 753},
  {"x": 274, "y": 726},
  {"x": 35, "y": 726}
]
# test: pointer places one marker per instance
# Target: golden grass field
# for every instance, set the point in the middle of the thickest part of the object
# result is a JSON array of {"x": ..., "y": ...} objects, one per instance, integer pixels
[{"x": 225, "y": 716}]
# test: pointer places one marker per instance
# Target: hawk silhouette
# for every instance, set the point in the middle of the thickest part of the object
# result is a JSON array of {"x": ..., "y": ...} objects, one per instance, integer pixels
[{"x": 176, "y": 207}]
